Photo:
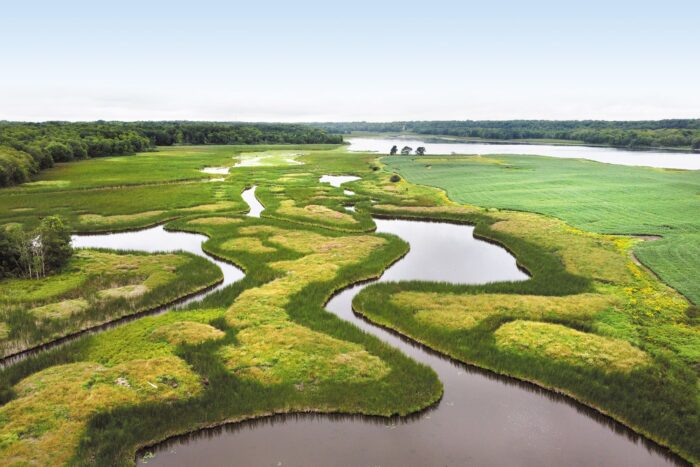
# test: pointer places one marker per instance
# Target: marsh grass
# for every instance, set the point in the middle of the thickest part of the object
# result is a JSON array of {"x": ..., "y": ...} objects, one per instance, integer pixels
[
  {"x": 653, "y": 386},
  {"x": 243, "y": 363},
  {"x": 562, "y": 343},
  {"x": 354, "y": 372},
  {"x": 98, "y": 286}
]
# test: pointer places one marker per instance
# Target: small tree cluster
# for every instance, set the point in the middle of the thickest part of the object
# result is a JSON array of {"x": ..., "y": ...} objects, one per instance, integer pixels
[{"x": 37, "y": 253}]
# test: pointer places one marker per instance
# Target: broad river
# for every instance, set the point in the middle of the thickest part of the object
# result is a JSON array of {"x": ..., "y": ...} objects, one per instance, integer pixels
[{"x": 668, "y": 160}]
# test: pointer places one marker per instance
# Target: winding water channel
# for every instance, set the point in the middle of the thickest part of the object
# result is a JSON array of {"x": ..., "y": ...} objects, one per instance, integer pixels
[
  {"x": 482, "y": 419},
  {"x": 157, "y": 239}
]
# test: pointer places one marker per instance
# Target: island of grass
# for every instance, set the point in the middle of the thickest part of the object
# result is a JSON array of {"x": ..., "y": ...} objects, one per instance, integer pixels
[
  {"x": 96, "y": 287},
  {"x": 266, "y": 345}
]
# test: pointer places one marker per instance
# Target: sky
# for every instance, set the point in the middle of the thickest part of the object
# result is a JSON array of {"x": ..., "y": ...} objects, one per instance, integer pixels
[{"x": 348, "y": 61}]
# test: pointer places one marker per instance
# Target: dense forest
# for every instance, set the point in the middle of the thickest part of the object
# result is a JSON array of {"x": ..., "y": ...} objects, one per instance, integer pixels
[
  {"x": 632, "y": 134},
  {"x": 27, "y": 148}
]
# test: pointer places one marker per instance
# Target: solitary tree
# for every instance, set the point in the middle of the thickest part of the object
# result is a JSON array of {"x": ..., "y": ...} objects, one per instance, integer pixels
[
  {"x": 406, "y": 150},
  {"x": 420, "y": 151},
  {"x": 394, "y": 150}
]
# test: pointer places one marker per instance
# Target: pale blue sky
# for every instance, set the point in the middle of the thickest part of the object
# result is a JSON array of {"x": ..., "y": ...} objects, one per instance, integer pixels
[{"x": 359, "y": 60}]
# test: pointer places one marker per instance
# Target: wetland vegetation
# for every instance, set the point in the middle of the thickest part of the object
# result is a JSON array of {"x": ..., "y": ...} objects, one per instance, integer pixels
[
  {"x": 590, "y": 322},
  {"x": 27, "y": 148}
]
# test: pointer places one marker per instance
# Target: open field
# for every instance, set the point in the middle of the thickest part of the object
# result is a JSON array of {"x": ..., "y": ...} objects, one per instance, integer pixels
[
  {"x": 266, "y": 345},
  {"x": 596, "y": 197}
]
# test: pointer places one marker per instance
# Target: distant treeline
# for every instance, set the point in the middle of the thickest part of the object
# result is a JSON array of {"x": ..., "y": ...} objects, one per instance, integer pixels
[
  {"x": 27, "y": 148},
  {"x": 632, "y": 134}
]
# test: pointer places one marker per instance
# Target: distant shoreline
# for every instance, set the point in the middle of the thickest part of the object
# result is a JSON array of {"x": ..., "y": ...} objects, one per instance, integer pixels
[{"x": 446, "y": 139}]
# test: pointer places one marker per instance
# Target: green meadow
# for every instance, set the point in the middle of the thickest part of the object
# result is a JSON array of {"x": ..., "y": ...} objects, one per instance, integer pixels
[{"x": 590, "y": 323}]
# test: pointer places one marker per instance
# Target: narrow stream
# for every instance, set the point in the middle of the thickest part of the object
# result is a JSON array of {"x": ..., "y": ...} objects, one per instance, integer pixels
[
  {"x": 483, "y": 419},
  {"x": 255, "y": 206}
]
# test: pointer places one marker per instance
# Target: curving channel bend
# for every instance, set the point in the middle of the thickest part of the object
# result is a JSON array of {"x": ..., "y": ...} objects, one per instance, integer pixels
[
  {"x": 158, "y": 240},
  {"x": 483, "y": 419},
  {"x": 153, "y": 240}
]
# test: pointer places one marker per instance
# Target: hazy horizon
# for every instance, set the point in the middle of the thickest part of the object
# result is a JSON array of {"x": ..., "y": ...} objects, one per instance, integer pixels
[{"x": 316, "y": 62}]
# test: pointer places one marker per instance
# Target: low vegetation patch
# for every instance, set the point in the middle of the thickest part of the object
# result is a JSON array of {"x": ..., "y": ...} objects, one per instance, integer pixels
[
  {"x": 249, "y": 244},
  {"x": 96, "y": 287},
  {"x": 100, "y": 220},
  {"x": 575, "y": 347},
  {"x": 44, "y": 423},
  {"x": 315, "y": 212},
  {"x": 215, "y": 221},
  {"x": 455, "y": 311},
  {"x": 271, "y": 348},
  {"x": 187, "y": 332},
  {"x": 583, "y": 254},
  {"x": 60, "y": 310}
]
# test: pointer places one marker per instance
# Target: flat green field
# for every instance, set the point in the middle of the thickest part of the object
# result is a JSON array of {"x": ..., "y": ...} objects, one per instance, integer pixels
[{"x": 592, "y": 196}]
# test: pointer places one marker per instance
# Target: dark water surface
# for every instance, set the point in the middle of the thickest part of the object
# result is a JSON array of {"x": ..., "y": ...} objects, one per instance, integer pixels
[{"x": 483, "y": 419}]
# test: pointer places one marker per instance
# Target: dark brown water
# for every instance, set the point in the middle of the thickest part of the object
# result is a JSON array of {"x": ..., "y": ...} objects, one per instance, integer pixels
[{"x": 482, "y": 419}]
